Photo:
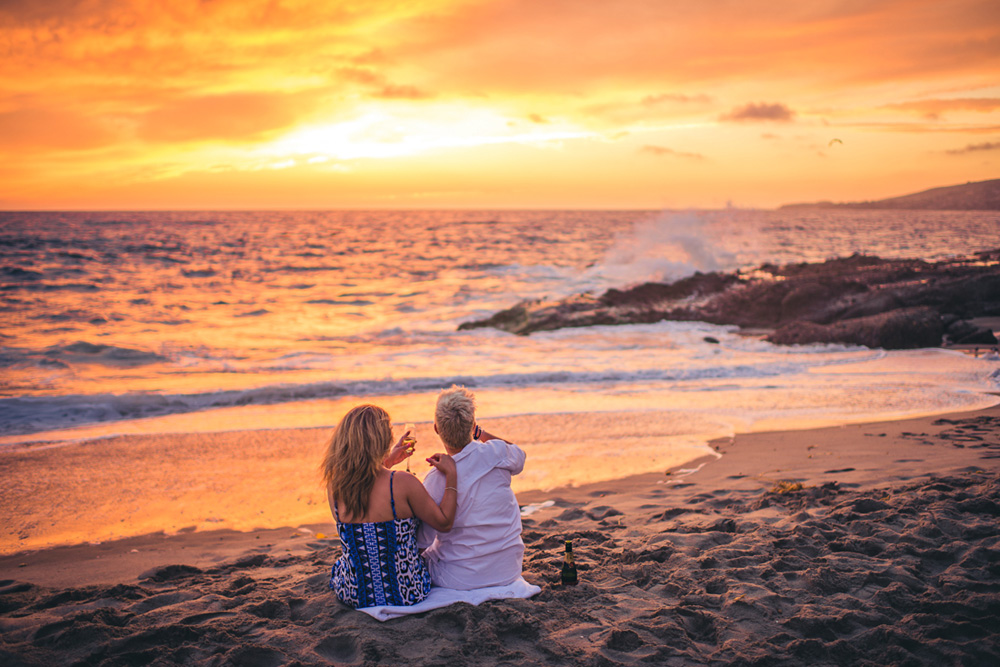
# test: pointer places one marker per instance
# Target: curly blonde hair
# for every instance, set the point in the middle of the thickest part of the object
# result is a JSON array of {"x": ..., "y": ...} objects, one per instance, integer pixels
[
  {"x": 354, "y": 456},
  {"x": 455, "y": 415}
]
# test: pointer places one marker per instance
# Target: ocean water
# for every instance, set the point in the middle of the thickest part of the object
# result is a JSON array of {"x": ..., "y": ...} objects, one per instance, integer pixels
[{"x": 205, "y": 321}]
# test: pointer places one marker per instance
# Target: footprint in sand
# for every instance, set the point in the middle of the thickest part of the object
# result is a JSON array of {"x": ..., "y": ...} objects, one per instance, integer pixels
[
  {"x": 449, "y": 624},
  {"x": 256, "y": 656},
  {"x": 207, "y": 616},
  {"x": 602, "y": 512},
  {"x": 341, "y": 649},
  {"x": 162, "y": 600}
]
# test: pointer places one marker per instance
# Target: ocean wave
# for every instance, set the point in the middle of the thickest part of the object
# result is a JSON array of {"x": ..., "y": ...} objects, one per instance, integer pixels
[
  {"x": 25, "y": 415},
  {"x": 109, "y": 355},
  {"x": 339, "y": 302},
  {"x": 199, "y": 273},
  {"x": 289, "y": 268},
  {"x": 50, "y": 287},
  {"x": 17, "y": 273},
  {"x": 80, "y": 352}
]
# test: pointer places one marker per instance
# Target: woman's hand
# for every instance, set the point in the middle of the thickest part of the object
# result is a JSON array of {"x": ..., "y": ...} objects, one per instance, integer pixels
[
  {"x": 440, "y": 516},
  {"x": 444, "y": 463},
  {"x": 401, "y": 451}
]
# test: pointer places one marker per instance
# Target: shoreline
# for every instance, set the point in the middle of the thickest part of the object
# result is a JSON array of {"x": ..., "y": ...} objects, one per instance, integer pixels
[{"x": 841, "y": 455}]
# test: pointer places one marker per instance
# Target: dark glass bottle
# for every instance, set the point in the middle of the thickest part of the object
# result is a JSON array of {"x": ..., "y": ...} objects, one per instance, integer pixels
[{"x": 568, "y": 576}]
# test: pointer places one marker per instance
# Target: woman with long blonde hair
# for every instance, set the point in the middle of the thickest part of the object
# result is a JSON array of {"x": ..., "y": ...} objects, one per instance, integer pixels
[{"x": 378, "y": 516}]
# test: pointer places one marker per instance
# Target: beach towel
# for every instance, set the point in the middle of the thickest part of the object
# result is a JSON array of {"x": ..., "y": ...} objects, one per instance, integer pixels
[{"x": 442, "y": 597}]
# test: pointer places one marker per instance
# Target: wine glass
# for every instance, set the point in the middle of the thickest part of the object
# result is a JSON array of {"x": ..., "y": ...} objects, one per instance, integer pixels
[{"x": 409, "y": 441}]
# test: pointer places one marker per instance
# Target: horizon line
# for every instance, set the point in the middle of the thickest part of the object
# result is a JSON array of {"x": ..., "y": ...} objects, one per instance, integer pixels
[{"x": 362, "y": 208}]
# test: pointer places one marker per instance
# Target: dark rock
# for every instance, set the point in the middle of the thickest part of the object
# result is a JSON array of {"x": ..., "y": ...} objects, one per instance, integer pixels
[
  {"x": 905, "y": 328},
  {"x": 957, "y": 329},
  {"x": 506, "y": 320},
  {"x": 699, "y": 284},
  {"x": 949, "y": 320},
  {"x": 803, "y": 299},
  {"x": 879, "y": 302},
  {"x": 979, "y": 336},
  {"x": 862, "y": 300},
  {"x": 802, "y": 333}
]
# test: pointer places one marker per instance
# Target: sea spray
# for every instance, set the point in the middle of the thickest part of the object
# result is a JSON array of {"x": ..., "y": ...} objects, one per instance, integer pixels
[{"x": 668, "y": 247}]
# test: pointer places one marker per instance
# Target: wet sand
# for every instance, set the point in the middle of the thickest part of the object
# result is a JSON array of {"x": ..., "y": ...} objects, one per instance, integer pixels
[
  {"x": 129, "y": 485},
  {"x": 863, "y": 544}
]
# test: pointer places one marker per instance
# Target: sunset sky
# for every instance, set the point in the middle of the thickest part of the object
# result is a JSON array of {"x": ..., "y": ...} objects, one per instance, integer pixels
[{"x": 218, "y": 104}]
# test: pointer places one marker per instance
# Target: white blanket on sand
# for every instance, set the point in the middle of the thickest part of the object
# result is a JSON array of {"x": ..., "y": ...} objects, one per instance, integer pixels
[{"x": 442, "y": 597}]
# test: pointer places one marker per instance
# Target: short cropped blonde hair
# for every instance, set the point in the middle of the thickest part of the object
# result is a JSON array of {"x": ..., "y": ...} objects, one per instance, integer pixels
[{"x": 455, "y": 415}]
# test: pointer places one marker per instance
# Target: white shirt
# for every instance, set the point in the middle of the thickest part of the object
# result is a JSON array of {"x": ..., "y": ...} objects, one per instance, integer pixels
[{"x": 484, "y": 546}]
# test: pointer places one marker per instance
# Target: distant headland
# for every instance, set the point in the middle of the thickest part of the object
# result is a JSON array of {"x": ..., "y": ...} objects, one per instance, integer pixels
[{"x": 979, "y": 196}]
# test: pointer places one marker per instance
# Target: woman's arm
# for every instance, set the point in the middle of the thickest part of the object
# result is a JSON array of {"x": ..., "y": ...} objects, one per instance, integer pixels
[{"x": 441, "y": 516}]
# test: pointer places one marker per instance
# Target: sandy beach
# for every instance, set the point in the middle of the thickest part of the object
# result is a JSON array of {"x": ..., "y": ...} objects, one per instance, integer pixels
[{"x": 861, "y": 544}]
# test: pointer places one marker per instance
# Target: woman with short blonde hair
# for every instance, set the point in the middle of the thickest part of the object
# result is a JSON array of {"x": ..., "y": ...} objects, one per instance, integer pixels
[
  {"x": 485, "y": 548},
  {"x": 455, "y": 417}
]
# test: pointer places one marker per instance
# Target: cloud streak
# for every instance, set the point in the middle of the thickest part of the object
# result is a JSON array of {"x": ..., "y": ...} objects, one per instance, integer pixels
[
  {"x": 757, "y": 112},
  {"x": 935, "y": 108},
  {"x": 976, "y": 148},
  {"x": 664, "y": 151}
]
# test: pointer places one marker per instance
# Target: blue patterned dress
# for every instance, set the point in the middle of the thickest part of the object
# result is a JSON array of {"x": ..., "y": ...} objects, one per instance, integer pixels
[{"x": 379, "y": 563}]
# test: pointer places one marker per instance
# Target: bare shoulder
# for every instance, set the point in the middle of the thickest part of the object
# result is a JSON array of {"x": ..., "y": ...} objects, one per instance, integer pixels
[{"x": 406, "y": 481}]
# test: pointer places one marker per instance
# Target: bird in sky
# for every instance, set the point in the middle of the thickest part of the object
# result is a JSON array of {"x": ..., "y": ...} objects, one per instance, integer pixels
[{"x": 835, "y": 141}]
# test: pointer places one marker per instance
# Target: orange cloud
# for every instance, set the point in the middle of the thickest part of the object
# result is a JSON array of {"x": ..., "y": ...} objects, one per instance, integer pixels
[
  {"x": 974, "y": 148},
  {"x": 936, "y": 107},
  {"x": 238, "y": 116},
  {"x": 567, "y": 45},
  {"x": 395, "y": 92},
  {"x": 662, "y": 150},
  {"x": 672, "y": 98},
  {"x": 759, "y": 112},
  {"x": 30, "y": 129}
]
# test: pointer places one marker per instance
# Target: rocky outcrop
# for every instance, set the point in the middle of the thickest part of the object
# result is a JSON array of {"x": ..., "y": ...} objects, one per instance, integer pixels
[
  {"x": 960, "y": 332},
  {"x": 897, "y": 329},
  {"x": 858, "y": 300}
]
